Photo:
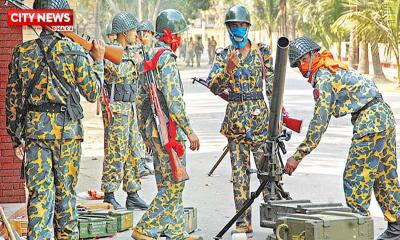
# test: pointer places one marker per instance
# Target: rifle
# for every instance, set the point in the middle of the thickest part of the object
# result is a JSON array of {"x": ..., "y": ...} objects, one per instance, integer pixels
[
  {"x": 112, "y": 53},
  {"x": 166, "y": 133},
  {"x": 291, "y": 123}
]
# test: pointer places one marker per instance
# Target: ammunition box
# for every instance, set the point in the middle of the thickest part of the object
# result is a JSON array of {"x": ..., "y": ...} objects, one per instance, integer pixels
[
  {"x": 325, "y": 226},
  {"x": 124, "y": 217},
  {"x": 96, "y": 226},
  {"x": 271, "y": 211}
]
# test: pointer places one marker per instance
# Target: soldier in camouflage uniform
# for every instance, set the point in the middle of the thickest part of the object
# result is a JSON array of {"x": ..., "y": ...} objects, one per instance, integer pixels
[
  {"x": 243, "y": 68},
  {"x": 44, "y": 122},
  {"x": 371, "y": 164},
  {"x": 165, "y": 214},
  {"x": 122, "y": 139}
]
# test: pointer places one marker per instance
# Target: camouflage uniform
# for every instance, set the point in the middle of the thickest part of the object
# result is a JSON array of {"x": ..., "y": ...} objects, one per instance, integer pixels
[
  {"x": 122, "y": 147},
  {"x": 53, "y": 140},
  {"x": 371, "y": 164},
  {"x": 246, "y": 122},
  {"x": 165, "y": 214}
]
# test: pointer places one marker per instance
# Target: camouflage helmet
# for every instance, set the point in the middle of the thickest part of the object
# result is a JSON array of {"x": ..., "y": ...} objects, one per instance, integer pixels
[
  {"x": 237, "y": 13},
  {"x": 109, "y": 29},
  {"x": 146, "y": 25},
  {"x": 299, "y": 47},
  {"x": 51, "y": 4},
  {"x": 170, "y": 19},
  {"x": 123, "y": 22}
]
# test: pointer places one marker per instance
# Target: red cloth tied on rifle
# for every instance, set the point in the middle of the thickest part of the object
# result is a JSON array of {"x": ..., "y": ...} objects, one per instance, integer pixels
[
  {"x": 172, "y": 143},
  {"x": 150, "y": 65},
  {"x": 168, "y": 38}
]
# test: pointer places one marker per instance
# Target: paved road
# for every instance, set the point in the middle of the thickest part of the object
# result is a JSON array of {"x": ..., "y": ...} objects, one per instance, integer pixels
[{"x": 319, "y": 178}]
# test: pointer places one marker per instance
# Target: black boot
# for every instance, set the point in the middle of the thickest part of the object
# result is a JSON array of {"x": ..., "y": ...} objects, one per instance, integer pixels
[
  {"x": 133, "y": 201},
  {"x": 391, "y": 233},
  {"x": 109, "y": 198}
]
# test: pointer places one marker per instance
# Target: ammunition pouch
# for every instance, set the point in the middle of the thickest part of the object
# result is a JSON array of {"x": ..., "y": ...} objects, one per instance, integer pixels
[
  {"x": 122, "y": 92},
  {"x": 378, "y": 98},
  {"x": 74, "y": 108},
  {"x": 240, "y": 97}
]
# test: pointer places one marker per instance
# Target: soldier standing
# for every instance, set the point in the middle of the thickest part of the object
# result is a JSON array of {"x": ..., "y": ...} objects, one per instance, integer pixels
[
  {"x": 165, "y": 214},
  {"x": 121, "y": 135},
  {"x": 44, "y": 121},
  {"x": 371, "y": 164},
  {"x": 242, "y": 68}
]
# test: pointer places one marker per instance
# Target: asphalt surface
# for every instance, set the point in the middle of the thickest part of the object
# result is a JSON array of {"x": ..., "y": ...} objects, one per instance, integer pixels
[{"x": 318, "y": 178}]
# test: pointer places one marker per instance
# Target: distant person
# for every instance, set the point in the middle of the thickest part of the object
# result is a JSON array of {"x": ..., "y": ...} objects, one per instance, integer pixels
[
  {"x": 212, "y": 45},
  {"x": 190, "y": 56},
  {"x": 182, "y": 49},
  {"x": 198, "y": 50}
]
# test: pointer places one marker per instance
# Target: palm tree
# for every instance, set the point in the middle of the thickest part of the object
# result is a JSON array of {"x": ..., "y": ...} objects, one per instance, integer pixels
[
  {"x": 380, "y": 21},
  {"x": 265, "y": 14}
]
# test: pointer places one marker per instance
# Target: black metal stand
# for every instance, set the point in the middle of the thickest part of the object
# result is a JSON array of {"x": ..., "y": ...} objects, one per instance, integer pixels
[{"x": 226, "y": 150}]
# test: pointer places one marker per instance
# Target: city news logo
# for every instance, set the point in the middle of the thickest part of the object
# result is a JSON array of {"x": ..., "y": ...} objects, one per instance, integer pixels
[{"x": 55, "y": 19}]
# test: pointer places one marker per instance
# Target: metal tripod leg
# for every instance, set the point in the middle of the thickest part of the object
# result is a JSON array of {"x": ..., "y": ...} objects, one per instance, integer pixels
[{"x": 226, "y": 150}]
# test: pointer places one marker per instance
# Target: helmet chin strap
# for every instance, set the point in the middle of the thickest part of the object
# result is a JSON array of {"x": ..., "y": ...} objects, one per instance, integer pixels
[{"x": 307, "y": 75}]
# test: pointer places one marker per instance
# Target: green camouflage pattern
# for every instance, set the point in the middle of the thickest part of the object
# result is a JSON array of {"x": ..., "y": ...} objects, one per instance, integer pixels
[
  {"x": 371, "y": 163},
  {"x": 122, "y": 148},
  {"x": 165, "y": 214},
  {"x": 52, "y": 140},
  {"x": 340, "y": 94},
  {"x": 372, "y": 166},
  {"x": 245, "y": 122},
  {"x": 240, "y": 162},
  {"x": 51, "y": 171},
  {"x": 71, "y": 60}
]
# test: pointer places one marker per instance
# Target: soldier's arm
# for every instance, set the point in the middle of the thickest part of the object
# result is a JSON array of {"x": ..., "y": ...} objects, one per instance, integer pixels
[
  {"x": 173, "y": 93},
  {"x": 143, "y": 106},
  {"x": 89, "y": 77},
  {"x": 218, "y": 76},
  {"x": 269, "y": 69},
  {"x": 14, "y": 101},
  {"x": 320, "y": 120}
]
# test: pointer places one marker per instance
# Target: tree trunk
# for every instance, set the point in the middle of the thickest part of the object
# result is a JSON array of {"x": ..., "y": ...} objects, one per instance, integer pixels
[
  {"x": 155, "y": 10},
  {"x": 270, "y": 35},
  {"x": 340, "y": 48},
  {"x": 363, "y": 66},
  {"x": 379, "y": 76},
  {"x": 353, "y": 50}
]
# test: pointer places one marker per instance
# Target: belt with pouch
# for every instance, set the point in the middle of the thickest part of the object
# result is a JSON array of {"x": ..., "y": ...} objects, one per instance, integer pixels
[
  {"x": 378, "y": 98},
  {"x": 122, "y": 92},
  {"x": 48, "y": 107},
  {"x": 240, "y": 97}
]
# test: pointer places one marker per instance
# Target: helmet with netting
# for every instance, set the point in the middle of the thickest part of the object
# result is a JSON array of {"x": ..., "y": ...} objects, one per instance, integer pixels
[{"x": 299, "y": 47}]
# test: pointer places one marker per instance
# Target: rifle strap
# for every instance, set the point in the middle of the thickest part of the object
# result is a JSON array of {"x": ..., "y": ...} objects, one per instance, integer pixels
[{"x": 264, "y": 74}]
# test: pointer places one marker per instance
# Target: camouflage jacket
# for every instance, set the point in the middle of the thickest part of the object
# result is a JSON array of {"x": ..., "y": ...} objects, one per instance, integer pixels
[
  {"x": 339, "y": 94},
  {"x": 74, "y": 65},
  {"x": 170, "y": 88},
  {"x": 124, "y": 73},
  {"x": 246, "y": 121}
]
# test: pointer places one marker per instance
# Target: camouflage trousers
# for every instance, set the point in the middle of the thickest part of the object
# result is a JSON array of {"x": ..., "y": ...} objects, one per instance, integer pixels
[
  {"x": 240, "y": 162},
  {"x": 372, "y": 165},
  {"x": 121, "y": 153},
  {"x": 165, "y": 214},
  {"x": 51, "y": 171}
]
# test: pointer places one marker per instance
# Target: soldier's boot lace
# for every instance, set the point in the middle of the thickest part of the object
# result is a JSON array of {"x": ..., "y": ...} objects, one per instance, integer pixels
[
  {"x": 133, "y": 201},
  {"x": 109, "y": 198},
  {"x": 391, "y": 233}
]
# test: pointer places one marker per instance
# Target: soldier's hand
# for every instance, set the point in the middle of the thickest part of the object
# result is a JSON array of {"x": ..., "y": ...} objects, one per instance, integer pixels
[
  {"x": 291, "y": 165},
  {"x": 19, "y": 152},
  {"x": 232, "y": 62},
  {"x": 98, "y": 50},
  {"x": 138, "y": 58},
  {"x": 194, "y": 142},
  {"x": 148, "y": 148}
]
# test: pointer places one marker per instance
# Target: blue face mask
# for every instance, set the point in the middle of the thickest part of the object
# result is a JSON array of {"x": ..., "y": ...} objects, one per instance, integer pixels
[{"x": 236, "y": 34}]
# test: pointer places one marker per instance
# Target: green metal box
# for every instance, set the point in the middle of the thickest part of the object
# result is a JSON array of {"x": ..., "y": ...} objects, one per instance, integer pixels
[
  {"x": 96, "y": 226},
  {"x": 325, "y": 226},
  {"x": 124, "y": 217}
]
